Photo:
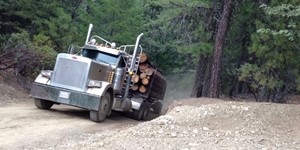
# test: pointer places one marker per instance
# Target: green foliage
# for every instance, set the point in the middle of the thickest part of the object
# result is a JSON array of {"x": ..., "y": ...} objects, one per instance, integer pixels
[
  {"x": 259, "y": 77},
  {"x": 28, "y": 56},
  {"x": 119, "y": 21},
  {"x": 177, "y": 29},
  {"x": 283, "y": 10},
  {"x": 38, "y": 17},
  {"x": 18, "y": 40},
  {"x": 276, "y": 63},
  {"x": 172, "y": 28},
  {"x": 53, "y": 25},
  {"x": 17, "y": 53},
  {"x": 242, "y": 25},
  {"x": 43, "y": 47}
]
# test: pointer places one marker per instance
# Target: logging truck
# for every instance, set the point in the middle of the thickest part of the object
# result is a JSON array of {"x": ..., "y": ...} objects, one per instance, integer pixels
[{"x": 102, "y": 78}]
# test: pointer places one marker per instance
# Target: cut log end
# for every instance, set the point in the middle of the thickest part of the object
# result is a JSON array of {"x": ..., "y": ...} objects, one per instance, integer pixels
[
  {"x": 135, "y": 87},
  {"x": 142, "y": 89},
  {"x": 143, "y": 67},
  {"x": 143, "y": 57},
  {"x": 143, "y": 75},
  {"x": 145, "y": 81},
  {"x": 149, "y": 71},
  {"x": 135, "y": 78}
]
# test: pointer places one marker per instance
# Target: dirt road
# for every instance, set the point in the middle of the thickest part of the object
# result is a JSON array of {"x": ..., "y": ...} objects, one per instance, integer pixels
[{"x": 23, "y": 126}]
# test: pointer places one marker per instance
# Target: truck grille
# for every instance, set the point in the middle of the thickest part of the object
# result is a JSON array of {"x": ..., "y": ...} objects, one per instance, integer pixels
[{"x": 70, "y": 73}]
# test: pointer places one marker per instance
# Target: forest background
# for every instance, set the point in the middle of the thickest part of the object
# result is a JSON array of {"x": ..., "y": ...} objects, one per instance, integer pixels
[{"x": 258, "y": 51}]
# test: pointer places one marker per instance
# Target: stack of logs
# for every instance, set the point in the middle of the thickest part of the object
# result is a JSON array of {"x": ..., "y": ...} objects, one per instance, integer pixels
[{"x": 142, "y": 79}]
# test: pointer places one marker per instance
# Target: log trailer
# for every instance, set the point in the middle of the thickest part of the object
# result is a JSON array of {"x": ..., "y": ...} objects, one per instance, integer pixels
[{"x": 101, "y": 78}]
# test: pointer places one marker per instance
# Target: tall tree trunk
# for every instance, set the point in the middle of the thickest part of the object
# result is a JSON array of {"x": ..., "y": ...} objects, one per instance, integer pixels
[
  {"x": 206, "y": 82},
  {"x": 198, "y": 87},
  {"x": 218, "y": 48}
]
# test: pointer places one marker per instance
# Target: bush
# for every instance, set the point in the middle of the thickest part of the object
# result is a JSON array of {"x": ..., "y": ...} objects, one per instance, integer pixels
[{"x": 27, "y": 57}]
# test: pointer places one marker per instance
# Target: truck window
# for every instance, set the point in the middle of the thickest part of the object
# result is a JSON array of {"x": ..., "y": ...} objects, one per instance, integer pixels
[
  {"x": 122, "y": 62},
  {"x": 89, "y": 53},
  {"x": 100, "y": 56}
]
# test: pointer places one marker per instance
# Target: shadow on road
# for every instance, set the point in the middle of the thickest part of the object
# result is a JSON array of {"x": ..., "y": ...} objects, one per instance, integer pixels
[{"x": 85, "y": 114}]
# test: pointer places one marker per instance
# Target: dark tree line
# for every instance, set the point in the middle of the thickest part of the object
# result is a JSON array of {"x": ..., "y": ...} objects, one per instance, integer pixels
[{"x": 232, "y": 47}]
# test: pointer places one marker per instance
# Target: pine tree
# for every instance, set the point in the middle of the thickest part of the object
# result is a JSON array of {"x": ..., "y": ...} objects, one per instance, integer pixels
[
  {"x": 218, "y": 48},
  {"x": 274, "y": 70}
]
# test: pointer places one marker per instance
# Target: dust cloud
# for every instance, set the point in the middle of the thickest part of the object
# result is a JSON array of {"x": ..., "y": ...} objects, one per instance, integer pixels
[{"x": 179, "y": 86}]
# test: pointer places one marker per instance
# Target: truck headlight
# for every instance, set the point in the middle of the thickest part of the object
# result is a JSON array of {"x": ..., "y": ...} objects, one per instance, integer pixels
[
  {"x": 46, "y": 73},
  {"x": 95, "y": 83}
]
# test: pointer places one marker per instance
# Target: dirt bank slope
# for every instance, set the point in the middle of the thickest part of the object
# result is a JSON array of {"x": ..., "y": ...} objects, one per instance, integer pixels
[
  {"x": 220, "y": 125},
  {"x": 11, "y": 91}
]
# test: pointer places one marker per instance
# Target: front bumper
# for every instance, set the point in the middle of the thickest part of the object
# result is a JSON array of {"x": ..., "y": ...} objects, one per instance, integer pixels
[{"x": 65, "y": 96}]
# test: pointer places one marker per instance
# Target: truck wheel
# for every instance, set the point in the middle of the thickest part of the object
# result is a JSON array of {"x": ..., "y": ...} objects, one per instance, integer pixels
[
  {"x": 146, "y": 111},
  {"x": 43, "y": 104},
  {"x": 157, "y": 107},
  {"x": 142, "y": 113},
  {"x": 103, "y": 110}
]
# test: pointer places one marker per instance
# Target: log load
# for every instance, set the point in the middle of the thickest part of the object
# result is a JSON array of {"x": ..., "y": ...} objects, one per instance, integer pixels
[
  {"x": 149, "y": 71},
  {"x": 135, "y": 78},
  {"x": 135, "y": 87},
  {"x": 148, "y": 82},
  {"x": 143, "y": 75},
  {"x": 142, "y": 89},
  {"x": 143, "y": 67},
  {"x": 145, "y": 81}
]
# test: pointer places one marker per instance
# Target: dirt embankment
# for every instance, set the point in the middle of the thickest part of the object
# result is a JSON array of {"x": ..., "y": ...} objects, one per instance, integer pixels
[
  {"x": 11, "y": 95},
  {"x": 212, "y": 124},
  {"x": 221, "y": 125},
  {"x": 10, "y": 91}
]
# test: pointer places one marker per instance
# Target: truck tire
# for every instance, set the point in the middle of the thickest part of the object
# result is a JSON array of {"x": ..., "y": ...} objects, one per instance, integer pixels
[
  {"x": 43, "y": 104},
  {"x": 142, "y": 113},
  {"x": 103, "y": 110},
  {"x": 146, "y": 112},
  {"x": 157, "y": 107}
]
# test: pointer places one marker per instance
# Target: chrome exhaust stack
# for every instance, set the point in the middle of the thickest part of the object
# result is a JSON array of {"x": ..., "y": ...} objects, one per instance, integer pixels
[
  {"x": 127, "y": 103},
  {"x": 132, "y": 65},
  {"x": 89, "y": 33}
]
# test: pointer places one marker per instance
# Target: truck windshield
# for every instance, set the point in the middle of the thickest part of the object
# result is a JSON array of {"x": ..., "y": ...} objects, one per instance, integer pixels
[{"x": 100, "y": 56}]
